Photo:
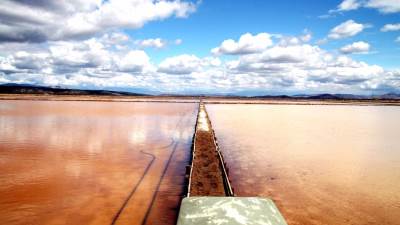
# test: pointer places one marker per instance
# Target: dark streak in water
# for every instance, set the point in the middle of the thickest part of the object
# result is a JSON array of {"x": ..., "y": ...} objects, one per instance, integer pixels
[
  {"x": 134, "y": 189},
  {"x": 175, "y": 145}
]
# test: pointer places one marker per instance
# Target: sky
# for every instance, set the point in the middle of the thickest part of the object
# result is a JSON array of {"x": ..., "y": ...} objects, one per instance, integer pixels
[{"x": 246, "y": 47}]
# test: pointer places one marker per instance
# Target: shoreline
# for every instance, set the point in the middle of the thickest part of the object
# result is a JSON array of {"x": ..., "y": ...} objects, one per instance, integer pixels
[{"x": 206, "y": 100}]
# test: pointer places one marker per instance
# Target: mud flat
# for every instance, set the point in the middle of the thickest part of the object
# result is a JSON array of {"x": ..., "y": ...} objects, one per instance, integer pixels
[
  {"x": 206, "y": 174},
  {"x": 323, "y": 164},
  {"x": 74, "y": 162}
]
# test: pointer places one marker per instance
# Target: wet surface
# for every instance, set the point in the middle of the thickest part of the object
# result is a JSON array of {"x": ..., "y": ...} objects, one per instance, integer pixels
[
  {"x": 93, "y": 162},
  {"x": 322, "y": 165}
]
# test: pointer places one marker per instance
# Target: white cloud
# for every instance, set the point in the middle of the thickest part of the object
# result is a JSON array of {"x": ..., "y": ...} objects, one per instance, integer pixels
[
  {"x": 247, "y": 44},
  {"x": 157, "y": 43},
  {"x": 391, "y": 27},
  {"x": 72, "y": 56},
  {"x": 280, "y": 58},
  {"x": 306, "y": 37},
  {"x": 79, "y": 57},
  {"x": 151, "y": 42},
  {"x": 114, "y": 38},
  {"x": 186, "y": 64},
  {"x": 291, "y": 65},
  {"x": 134, "y": 61},
  {"x": 347, "y": 5},
  {"x": 384, "y": 6},
  {"x": 356, "y": 47},
  {"x": 304, "y": 67},
  {"x": 346, "y": 29},
  {"x": 183, "y": 64},
  {"x": 39, "y": 21}
]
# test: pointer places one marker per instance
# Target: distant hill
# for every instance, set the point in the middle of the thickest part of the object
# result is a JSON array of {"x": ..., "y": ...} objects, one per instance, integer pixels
[
  {"x": 388, "y": 96},
  {"x": 33, "y": 89},
  {"x": 12, "y": 88}
]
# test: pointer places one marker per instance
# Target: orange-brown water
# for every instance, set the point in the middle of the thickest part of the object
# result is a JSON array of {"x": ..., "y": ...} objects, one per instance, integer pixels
[
  {"x": 326, "y": 165},
  {"x": 82, "y": 162}
]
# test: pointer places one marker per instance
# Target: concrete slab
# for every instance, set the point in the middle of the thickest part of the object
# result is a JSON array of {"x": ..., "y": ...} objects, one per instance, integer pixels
[{"x": 229, "y": 210}]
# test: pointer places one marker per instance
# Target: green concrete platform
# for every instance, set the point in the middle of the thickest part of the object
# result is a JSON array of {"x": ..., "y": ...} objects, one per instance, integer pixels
[{"x": 229, "y": 210}]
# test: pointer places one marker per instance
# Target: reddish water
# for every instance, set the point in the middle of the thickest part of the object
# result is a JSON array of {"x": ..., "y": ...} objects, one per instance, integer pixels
[
  {"x": 327, "y": 165},
  {"x": 78, "y": 162}
]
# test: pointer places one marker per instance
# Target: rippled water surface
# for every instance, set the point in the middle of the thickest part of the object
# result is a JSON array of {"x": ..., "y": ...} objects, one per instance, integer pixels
[
  {"x": 327, "y": 165},
  {"x": 73, "y": 162}
]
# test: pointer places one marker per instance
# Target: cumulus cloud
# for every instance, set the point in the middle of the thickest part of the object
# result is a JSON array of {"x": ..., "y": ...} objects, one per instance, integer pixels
[
  {"x": 391, "y": 27},
  {"x": 183, "y": 64},
  {"x": 306, "y": 37},
  {"x": 304, "y": 67},
  {"x": 291, "y": 40},
  {"x": 356, "y": 47},
  {"x": 114, "y": 38},
  {"x": 81, "y": 43},
  {"x": 246, "y": 44},
  {"x": 134, "y": 61},
  {"x": 186, "y": 64},
  {"x": 280, "y": 58},
  {"x": 71, "y": 59},
  {"x": 151, "y": 42},
  {"x": 383, "y": 6},
  {"x": 347, "y": 5},
  {"x": 157, "y": 43},
  {"x": 39, "y": 21},
  {"x": 290, "y": 65},
  {"x": 346, "y": 29}
]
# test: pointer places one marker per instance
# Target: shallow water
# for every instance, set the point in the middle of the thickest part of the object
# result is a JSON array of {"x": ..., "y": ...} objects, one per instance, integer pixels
[
  {"x": 328, "y": 165},
  {"x": 77, "y": 162}
]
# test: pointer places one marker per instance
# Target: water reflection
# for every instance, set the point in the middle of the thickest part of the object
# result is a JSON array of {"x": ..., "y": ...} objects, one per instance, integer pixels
[
  {"x": 321, "y": 164},
  {"x": 75, "y": 162}
]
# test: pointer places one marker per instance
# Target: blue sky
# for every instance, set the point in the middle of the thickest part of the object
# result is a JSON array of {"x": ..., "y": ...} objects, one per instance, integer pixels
[
  {"x": 252, "y": 47},
  {"x": 218, "y": 20}
]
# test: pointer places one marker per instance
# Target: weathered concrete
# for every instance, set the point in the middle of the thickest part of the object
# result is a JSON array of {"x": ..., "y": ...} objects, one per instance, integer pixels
[{"x": 229, "y": 210}]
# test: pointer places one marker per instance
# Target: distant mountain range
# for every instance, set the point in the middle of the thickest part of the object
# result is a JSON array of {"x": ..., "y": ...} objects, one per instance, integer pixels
[
  {"x": 387, "y": 96},
  {"x": 11, "y": 88},
  {"x": 34, "y": 89}
]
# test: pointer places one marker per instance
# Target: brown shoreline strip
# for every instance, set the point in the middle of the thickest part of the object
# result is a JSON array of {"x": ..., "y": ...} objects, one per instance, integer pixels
[{"x": 207, "y": 176}]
